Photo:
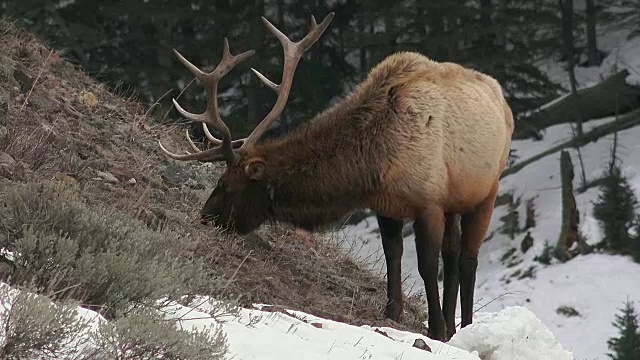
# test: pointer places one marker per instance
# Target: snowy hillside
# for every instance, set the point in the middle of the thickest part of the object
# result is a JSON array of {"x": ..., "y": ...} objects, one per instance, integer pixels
[
  {"x": 260, "y": 333},
  {"x": 595, "y": 285}
]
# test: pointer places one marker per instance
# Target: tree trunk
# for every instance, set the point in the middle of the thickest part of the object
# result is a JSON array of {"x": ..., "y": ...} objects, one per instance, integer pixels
[
  {"x": 487, "y": 38},
  {"x": 437, "y": 39},
  {"x": 566, "y": 7},
  {"x": 608, "y": 98},
  {"x": 390, "y": 30},
  {"x": 593, "y": 57},
  {"x": 570, "y": 218},
  {"x": 253, "y": 88},
  {"x": 362, "y": 46}
]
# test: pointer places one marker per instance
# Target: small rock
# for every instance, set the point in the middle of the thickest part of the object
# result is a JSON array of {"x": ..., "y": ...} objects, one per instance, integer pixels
[
  {"x": 6, "y": 160},
  {"x": 176, "y": 215},
  {"x": 131, "y": 181},
  {"x": 108, "y": 177},
  {"x": 43, "y": 101},
  {"x": 7, "y": 165},
  {"x": 122, "y": 173},
  {"x": 420, "y": 344},
  {"x": 317, "y": 325},
  {"x": 382, "y": 333}
]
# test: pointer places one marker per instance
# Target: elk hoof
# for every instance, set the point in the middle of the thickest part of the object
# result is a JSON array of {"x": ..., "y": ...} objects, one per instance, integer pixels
[
  {"x": 436, "y": 333},
  {"x": 393, "y": 311},
  {"x": 450, "y": 334}
]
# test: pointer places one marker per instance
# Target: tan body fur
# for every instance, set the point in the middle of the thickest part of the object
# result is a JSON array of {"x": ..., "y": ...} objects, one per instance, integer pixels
[{"x": 429, "y": 133}]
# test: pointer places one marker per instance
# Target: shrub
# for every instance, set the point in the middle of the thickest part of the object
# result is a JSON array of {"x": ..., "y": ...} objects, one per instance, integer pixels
[
  {"x": 567, "y": 311},
  {"x": 99, "y": 256},
  {"x": 34, "y": 327},
  {"x": 145, "y": 334},
  {"x": 547, "y": 254}
]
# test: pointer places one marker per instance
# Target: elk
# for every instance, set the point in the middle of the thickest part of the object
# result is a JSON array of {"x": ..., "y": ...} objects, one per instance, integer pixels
[{"x": 417, "y": 139}]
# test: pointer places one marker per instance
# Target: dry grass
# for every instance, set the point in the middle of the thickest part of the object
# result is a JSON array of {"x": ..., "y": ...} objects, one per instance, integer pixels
[{"x": 59, "y": 124}]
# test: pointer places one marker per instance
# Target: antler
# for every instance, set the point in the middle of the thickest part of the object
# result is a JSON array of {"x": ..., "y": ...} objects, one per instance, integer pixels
[
  {"x": 224, "y": 148},
  {"x": 292, "y": 54}
]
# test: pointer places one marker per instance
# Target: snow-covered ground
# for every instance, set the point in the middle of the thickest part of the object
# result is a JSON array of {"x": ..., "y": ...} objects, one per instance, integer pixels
[
  {"x": 511, "y": 334},
  {"x": 595, "y": 285}
]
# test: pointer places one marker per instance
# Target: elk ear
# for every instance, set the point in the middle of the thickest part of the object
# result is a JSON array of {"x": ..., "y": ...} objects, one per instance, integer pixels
[{"x": 255, "y": 169}]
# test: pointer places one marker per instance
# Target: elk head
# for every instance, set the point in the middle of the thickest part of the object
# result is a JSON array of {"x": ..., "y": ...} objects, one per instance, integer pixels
[{"x": 241, "y": 199}]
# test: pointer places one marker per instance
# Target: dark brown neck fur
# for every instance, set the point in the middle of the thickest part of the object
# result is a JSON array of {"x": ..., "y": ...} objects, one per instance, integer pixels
[{"x": 335, "y": 163}]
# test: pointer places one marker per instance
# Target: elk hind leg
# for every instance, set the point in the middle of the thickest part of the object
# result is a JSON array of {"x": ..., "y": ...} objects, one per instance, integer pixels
[
  {"x": 474, "y": 228},
  {"x": 451, "y": 263},
  {"x": 391, "y": 233},
  {"x": 429, "y": 230}
]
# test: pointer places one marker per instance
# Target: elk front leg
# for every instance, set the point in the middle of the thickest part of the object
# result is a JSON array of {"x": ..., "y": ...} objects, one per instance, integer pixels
[
  {"x": 451, "y": 263},
  {"x": 429, "y": 230},
  {"x": 391, "y": 233},
  {"x": 474, "y": 229}
]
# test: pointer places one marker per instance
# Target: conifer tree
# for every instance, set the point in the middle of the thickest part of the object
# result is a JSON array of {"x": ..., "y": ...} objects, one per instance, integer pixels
[
  {"x": 627, "y": 345},
  {"x": 615, "y": 207}
]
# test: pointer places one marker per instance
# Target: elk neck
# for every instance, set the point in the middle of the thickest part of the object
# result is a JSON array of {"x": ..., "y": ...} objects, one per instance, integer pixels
[{"x": 327, "y": 167}]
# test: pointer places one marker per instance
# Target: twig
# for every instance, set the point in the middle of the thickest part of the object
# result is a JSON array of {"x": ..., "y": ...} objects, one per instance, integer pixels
[
  {"x": 630, "y": 67},
  {"x": 178, "y": 97},
  {"x": 157, "y": 102},
  {"x": 65, "y": 289},
  {"x": 9, "y": 29},
  {"x": 24, "y": 103}
]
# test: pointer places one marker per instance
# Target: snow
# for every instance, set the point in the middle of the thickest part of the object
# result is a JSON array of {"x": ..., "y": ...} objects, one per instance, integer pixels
[
  {"x": 513, "y": 333},
  {"x": 256, "y": 334},
  {"x": 497, "y": 336}
]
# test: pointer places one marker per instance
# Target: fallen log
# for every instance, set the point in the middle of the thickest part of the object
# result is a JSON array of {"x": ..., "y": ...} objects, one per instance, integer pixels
[
  {"x": 623, "y": 122},
  {"x": 611, "y": 96}
]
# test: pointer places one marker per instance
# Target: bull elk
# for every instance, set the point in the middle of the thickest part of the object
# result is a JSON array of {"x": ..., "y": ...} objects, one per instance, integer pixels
[{"x": 417, "y": 139}]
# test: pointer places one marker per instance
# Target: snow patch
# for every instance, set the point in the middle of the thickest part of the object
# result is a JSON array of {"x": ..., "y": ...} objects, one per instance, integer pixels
[{"x": 514, "y": 333}]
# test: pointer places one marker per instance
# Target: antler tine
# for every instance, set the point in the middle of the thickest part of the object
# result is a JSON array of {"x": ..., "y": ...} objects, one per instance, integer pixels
[
  {"x": 193, "y": 146},
  {"x": 269, "y": 83},
  {"x": 225, "y": 147},
  {"x": 215, "y": 141},
  {"x": 208, "y": 155},
  {"x": 292, "y": 53}
]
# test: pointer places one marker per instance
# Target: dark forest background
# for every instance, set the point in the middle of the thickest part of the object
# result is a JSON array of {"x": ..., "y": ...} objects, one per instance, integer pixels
[{"x": 128, "y": 45}]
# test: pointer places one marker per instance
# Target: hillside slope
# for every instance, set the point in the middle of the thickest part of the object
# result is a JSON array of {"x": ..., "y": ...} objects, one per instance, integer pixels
[
  {"x": 59, "y": 125},
  {"x": 594, "y": 285}
]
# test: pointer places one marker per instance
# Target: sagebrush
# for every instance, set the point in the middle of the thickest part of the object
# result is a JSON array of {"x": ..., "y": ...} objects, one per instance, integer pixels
[{"x": 64, "y": 247}]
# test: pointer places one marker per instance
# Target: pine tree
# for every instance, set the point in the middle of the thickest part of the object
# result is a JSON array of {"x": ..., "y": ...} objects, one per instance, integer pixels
[
  {"x": 627, "y": 345},
  {"x": 615, "y": 207}
]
